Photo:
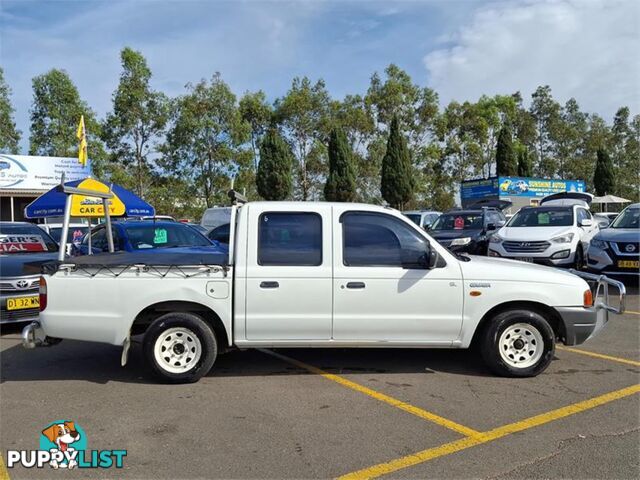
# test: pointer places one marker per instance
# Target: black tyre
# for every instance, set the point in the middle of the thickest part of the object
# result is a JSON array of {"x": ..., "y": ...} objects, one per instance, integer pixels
[
  {"x": 518, "y": 343},
  {"x": 180, "y": 347},
  {"x": 578, "y": 262}
]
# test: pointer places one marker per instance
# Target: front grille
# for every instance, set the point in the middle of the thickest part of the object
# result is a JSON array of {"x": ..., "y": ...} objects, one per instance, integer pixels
[
  {"x": 12, "y": 285},
  {"x": 525, "y": 247},
  {"x": 628, "y": 248},
  {"x": 7, "y": 316}
]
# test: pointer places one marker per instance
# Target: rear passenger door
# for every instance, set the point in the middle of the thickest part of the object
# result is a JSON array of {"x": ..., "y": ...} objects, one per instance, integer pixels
[{"x": 289, "y": 274}]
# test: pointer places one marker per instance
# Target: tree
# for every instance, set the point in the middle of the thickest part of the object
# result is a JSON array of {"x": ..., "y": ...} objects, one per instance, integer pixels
[
  {"x": 138, "y": 119},
  {"x": 255, "y": 110},
  {"x": 397, "y": 172},
  {"x": 525, "y": 168},
  {"x": 341, "y": 183},
  {"x": 9, "y": 134},
  {"x": 205, "y": 140},
  {"x": 55, "y": 114},
  {"x": 273, "y": 179},
  {"x": 603, "y": 179},
  {"x": 546, "y": 112},
  {"x": 303, "y": 114},
  {"x": 506, "y": 162}
]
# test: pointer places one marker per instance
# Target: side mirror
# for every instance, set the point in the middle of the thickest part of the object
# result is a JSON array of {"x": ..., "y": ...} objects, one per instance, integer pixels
[
  {"x": 432, "y": 258},
  {"x": 587, "y": 222},
  {"x": 491, "y": 226}
]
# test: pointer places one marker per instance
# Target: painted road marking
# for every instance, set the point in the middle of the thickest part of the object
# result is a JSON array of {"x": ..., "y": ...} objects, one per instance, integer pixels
[
  {"x": 418, "y": 412},
  {"x": 4, "y": 474},
  {"x": 600, "y": 355},
  {"x": 632, "y": 312},
  {"x": 496, "y": 433}
]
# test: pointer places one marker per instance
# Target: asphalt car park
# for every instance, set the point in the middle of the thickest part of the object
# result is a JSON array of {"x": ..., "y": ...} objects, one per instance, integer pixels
[{"x": 322, "y": 413}]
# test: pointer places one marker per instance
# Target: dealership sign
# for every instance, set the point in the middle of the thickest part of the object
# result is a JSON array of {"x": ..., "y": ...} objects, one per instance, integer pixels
[
  {"x": 518, "y": 187},
  {"x": 38, "y": 173}
]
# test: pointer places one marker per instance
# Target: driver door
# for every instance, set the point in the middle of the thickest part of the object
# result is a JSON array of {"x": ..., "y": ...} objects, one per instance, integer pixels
[{"x": 383, "y": 291}]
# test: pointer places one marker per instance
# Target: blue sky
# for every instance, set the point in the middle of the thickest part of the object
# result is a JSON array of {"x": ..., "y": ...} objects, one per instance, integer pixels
[{"x": 461, "y": 48}]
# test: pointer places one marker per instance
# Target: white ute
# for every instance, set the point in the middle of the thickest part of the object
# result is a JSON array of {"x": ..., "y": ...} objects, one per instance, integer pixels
[{"x": 319, "y": 275}]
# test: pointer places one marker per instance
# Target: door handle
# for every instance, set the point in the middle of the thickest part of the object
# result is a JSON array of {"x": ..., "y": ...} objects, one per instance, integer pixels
[
  {"x": 269, "y": 284},
  {"x": 355, "y": 285}
]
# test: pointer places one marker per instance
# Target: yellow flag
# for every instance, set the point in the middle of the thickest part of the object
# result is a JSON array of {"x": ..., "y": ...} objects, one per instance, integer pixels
[{"x": 81, "y": 135}]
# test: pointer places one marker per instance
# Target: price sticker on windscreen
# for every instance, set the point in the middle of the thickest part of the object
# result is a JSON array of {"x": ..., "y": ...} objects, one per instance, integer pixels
[
  {"x": 458, "y": 223},
  {"x": 22, "y": 243},
  {"x": 160, "y": 236}
]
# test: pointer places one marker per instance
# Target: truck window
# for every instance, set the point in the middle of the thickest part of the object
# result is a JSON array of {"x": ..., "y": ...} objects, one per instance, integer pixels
[
  {"x": 378, "y": 240},
  {"x": 290, "y": 239}
]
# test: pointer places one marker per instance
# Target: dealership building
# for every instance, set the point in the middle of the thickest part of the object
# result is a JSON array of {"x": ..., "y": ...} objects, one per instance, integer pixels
[
  {"x": 24, "y": 178},
  {"x": 520, "y": 191}
]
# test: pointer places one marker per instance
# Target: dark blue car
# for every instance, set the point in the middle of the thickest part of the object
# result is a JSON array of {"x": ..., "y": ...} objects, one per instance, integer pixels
[{"x": 149, "y": 237}]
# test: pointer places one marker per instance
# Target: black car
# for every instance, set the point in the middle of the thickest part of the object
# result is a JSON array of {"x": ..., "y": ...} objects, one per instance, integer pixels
[
  {"x": 23, "y": 249},
  {"x": 467, "y": 230}
]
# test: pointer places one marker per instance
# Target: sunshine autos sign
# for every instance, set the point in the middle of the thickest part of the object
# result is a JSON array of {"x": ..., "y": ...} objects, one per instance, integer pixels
[
  {"x": 517, "y": 187},
  {"x": 38, "y": 173}
]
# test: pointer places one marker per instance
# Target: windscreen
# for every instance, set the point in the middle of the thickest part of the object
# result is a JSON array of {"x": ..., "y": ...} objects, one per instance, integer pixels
[
  {"x": 25, "y": 239},
  {"x": 415, "y": 218},
  {"x": 74, "y": 234},
  {"x": 153, "y": 235},
  {"x": 630, "y": 218},
  {"x": 542, "y": 217},
  {"x": 458, "y": 221}
]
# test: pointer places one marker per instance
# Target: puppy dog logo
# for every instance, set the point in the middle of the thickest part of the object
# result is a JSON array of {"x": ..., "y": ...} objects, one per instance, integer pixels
[{"x": 62, "y": 435}]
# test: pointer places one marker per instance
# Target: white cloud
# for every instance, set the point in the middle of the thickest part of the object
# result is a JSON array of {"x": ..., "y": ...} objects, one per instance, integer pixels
[{"x": 585, "y": 49}]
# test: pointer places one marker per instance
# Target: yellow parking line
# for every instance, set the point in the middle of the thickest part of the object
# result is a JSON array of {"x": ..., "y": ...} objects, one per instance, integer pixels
[
  {"x": 496, "y": 433},
  {"x": 600, "y": 355},
  {"x": 4, "y": 474},
  {"x": 432, "y": 417},
  {"x": 632, "y": 312}
]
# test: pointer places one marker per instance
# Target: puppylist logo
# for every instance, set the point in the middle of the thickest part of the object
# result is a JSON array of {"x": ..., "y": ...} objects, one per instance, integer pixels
[{"x": 63, "y": 444}]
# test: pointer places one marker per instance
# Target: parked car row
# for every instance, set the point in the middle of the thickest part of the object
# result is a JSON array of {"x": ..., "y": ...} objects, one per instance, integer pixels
[{"x": 561, "y": 232}]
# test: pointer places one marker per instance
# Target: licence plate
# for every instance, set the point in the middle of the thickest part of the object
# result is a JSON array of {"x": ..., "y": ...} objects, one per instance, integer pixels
[
  {"x": 525, "y": 259},
  {"x": 19, "y": 303},
  {"x": 628, "y": 264}
]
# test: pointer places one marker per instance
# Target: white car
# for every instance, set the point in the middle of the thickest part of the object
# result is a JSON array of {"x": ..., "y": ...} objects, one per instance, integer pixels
[
  {"x": 422, "y": 218},
  {"x": 556, "y": 233},
  {"x": 315, "y": 274}
]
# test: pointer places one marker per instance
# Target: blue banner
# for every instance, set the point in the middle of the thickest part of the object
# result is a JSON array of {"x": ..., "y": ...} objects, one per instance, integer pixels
[{"x": 536, "y": 187}]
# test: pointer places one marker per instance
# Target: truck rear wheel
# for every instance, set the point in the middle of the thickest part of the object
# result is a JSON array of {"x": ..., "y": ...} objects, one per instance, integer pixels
[
  {"x": 180, "y": 347},
  {"x": 518, "y": 343}
]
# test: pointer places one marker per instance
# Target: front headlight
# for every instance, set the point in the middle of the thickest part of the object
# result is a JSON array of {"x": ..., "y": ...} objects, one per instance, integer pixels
[
  {"x": 495, "y": 239},
  {"x": 563, "y": 238},
  {"x": 461, "y": 241},
  {"x": 601, "y": 244}
]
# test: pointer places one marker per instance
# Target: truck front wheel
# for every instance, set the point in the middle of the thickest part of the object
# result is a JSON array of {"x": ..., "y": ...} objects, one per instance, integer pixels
[
  {"x": 518, "y": 343},
  {"x": 180, "y": 347}
]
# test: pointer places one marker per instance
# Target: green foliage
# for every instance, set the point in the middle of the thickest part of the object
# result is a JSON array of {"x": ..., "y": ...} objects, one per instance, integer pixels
[
  {"x": 603, "y": 179},
  {"x": 137, "y": 121},
  {"x": 506, "y": 162},
  {"x": 303, "y": 115},
  {"x": 546, "y": 113},
  {"x": 9, "y": 134},
  {"x": 341, "y": 183},
  {"x": 525, "y": 169},
  {"x": 397, "y": 182},
  {"x": 55, "y": 114},
  {"x": 274, "y": 171},
  {"x": 205, "y": 143}
]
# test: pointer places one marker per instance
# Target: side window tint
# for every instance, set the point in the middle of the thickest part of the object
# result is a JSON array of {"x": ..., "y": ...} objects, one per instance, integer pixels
[
  {"x": 290, "y": 239},
  {"x": 378, "y": 240}
]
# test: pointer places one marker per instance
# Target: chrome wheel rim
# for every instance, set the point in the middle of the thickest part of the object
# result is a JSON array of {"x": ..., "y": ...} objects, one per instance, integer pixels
[
  {"x": 177, "y": 350},
  {"x": 521, "y": 345}
]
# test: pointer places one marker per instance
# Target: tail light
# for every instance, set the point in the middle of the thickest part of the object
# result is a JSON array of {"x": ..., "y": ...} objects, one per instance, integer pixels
[
  {"x": 43, "y": 294},
  {"x": 587, "y": 298}
]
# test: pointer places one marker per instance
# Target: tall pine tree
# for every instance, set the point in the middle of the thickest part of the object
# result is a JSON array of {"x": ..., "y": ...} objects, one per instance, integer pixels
[
  {"x": 273, "y": 179},
  {"x": 341, "y": 183},
  {"x": 506, "y": 163},
  {"x": 524, "y": 163},
  {"x": 603, "y": 179},
  {"x": 396, "y": 181}
]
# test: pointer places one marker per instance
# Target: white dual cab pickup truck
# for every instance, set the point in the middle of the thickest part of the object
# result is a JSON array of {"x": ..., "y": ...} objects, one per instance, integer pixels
[{"x": 318, "y": 275}]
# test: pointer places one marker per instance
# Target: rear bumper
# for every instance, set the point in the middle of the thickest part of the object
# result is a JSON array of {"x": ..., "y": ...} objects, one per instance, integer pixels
[{"x": 583, "y": 323}]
